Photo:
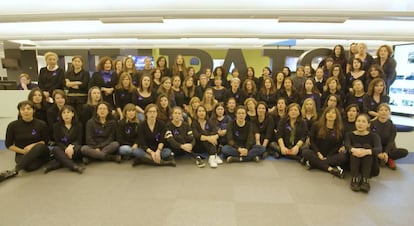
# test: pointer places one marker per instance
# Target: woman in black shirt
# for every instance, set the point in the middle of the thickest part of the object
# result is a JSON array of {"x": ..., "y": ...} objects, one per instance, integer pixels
[
  {"x": 291, "y": 133},
  {"x": 77, "y": 82},
  {"x": 68, "y": 134},
  {"x": 385, "y": 128},
  {"x": 143, "y": 96},
  {"x": 351, "y": 113},
  {"x": 100, "y": 136},
  {"x": 127, "y": 132},
  {"x": 206, "y": 136},
  {"x": 376, "y": 95},
  {"x": 364, "y": 147},
  {"x": 264, "y": 125},
  {"x": 27, "y": 136},
  {"x": 180, "y": 137},
  {"x": 41, "y": 104},
  {"x": 52, "y": 76},
  {"x": 105, "y": 78},
  {"x": 152, "y": 144},
  {"x": 123, "y": 93},
  {"x": 241, "y": 142},
  {"x": 326, "y": 151}
]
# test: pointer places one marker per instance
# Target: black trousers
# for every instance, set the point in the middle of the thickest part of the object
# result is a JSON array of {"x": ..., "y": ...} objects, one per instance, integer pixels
[
  {"x": 77, "y": 102},
  {"x": 180, "y": 152},
  {"x": 205, "y": 147},
  {"x": 34, "y": 159},
  {"x": 363, "y": 166},
  {"x": 337, "y": 159},
  {"x": 63, "y": 159},
  {"x": 397, "y": 153}
]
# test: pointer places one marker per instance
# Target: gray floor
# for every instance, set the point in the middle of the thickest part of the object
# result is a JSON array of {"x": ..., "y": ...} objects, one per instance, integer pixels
[{"x": 273, "y": 192}]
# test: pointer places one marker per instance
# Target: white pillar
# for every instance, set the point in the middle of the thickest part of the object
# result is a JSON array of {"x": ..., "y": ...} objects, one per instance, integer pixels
[{"x": 3, "y": 71}]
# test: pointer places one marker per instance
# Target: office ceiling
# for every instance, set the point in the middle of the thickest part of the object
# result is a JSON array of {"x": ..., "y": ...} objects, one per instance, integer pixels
[{"x": 212, "y": 24}]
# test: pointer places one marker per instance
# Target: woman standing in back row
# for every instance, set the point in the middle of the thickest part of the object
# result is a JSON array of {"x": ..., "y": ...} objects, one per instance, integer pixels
[
  {"x": 52, "y": 76},
  {"x": 77, "y": 82}
]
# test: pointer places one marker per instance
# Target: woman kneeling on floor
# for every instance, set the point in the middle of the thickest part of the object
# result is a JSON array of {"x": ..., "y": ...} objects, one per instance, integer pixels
[
  {"x": 241, "y": 141},
  {"x": 326, "y": 144},
  {"x": 364, "y": 147}
]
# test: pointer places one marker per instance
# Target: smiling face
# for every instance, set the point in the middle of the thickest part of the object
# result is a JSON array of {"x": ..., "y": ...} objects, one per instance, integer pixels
[
  {"x": 379, "y": 87},
  {"x": 331, "y": 115},
  {"x": 26, "y": 112},
  {"x": 131, "y": 114},
  {"x": 293, "y": 112},
  {"x": 352, "y": 114},
  {"x": 201, "y": 113},
  {"x": 261, "y": 110},
  {"x": 59, "y": 100},
  {"x": 107, "y": 66},
  {"x": 164, "y": 102}
]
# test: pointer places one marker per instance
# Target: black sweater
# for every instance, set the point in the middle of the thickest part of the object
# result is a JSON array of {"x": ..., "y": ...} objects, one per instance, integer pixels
[
  {"x": 387, "y": 132},
  {"x": 105, "y": 80},
  {"x": 81, "y": 76},
  {"x": 127, "y": 133},
  {"x": 265, "y": 128},
  {"x": 284, "y": 131},
  {"x": 64, "y": 136},
  {"x": 208, "y": 130},
  {"x": 327, "y": 146},
  {"x": 369, "y": 104},
  {"x": 21, "y": 133},
  {"x": 99, "y": 135},
  {"x": 141, "y": 101},
  {"x": 122, "y": 98},
  {"x": 51, "y": 80},
  {"x": 269, "y": 99},
  {"x": 240, "y": 137},
  {"x": 151, "y": 139},
  {"x": 369, "y": 141},
  {"x": 176, "y": 136}
]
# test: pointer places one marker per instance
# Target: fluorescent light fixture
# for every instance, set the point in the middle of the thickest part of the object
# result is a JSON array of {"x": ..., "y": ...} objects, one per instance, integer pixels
[
  {"x": 310, "y": 19},
  {"x": 113, "y": 20}
]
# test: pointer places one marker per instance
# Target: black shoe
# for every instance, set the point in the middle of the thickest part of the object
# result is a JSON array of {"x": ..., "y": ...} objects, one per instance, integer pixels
[
  {"x": 265, "y": 155},
  {"x": 113, "y": 158},
  {"x": 276, "y": 155},
  {"x": 168, "y": 162},
  {"x": 52, "y": 165},
  {"x": 199, "y": 162},
  {"x": 364, "y": 186},
  {"x": 234, "y": 159},
  {"x": 136, "y": 162},
  {"x": 355, "y": 184},
  {"x": 8, "y": 174},
  {"x": 308, "y": 165},
  {"x": 302, "y": 161},
  {"x": 78, "y": 169},
  {"x": 337, "y": 171},
  {"x": 85, "y": 160}
]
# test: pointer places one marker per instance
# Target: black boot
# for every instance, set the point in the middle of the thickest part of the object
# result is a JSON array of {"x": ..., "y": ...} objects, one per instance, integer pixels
[
  {"x": 356, "y": 184},
  {"x": 364, "y": 186},
  {"x": 78, "y": 169},
  {"x": 146, "y": 159},
  {"x": 170, "y": 162},
  {"x": 113, "y": 158},
  {"x": 52, "y": 165}
]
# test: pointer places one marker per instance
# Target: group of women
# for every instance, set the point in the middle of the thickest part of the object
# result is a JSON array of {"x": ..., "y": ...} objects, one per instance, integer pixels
[{"x": 328, "y": 119}]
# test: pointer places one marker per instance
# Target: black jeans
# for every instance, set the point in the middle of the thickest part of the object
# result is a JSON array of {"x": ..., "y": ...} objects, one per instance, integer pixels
[{"x": 34, "y": 159}]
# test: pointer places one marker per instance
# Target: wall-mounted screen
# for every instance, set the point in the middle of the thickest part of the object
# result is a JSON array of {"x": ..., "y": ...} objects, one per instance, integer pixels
[
  {"x": 139, "y": 61},
  {"x": 402, "y": 90}
]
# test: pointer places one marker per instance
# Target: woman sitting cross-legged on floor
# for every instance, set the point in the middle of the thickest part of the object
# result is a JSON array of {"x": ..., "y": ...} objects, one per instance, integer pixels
[
  {"x": 100, "y": 136},
  {"x": 127, "y": 132},
  {"x": 152, "y": 141},
  {"x": 241, "y": 141},
  {"x": 326, "y": 143},
  {"x": 68, "y": 132},
  {"x": 291, "y": 134}
]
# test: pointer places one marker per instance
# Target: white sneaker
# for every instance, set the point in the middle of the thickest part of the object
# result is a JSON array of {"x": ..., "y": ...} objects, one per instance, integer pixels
[
  {"x": 218, "y": 160},
  {"x": 212, "y": 161}
]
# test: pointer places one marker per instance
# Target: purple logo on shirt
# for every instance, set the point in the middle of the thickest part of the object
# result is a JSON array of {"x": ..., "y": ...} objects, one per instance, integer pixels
[
  {"x": 54, "y": 73},
  {"x": 176, "y": 132},
  {"x": 98, "y": 131},
  {"x": 236, "y": 133},
  {"x": 140, "y": 98},
  {"x": 128, "y": 130},
  {"x": 34, "y": 132},
  {"x": 374, "y": 129},
  {"x": 157, "y": 137},
  {"x": 288, "y": 127},
  {"x": 237, "y": 96},
  {"x": 207, "y": 127},
  {"x": 372, "y": 103},
  {"x": 64, "y": 139},
  {"x": 122, "y": 94},
  {"x": 360, "y": 99}
]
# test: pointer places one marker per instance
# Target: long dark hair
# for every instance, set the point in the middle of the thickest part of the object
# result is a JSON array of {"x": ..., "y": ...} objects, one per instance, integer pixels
[{"x": 338, "y": 126}]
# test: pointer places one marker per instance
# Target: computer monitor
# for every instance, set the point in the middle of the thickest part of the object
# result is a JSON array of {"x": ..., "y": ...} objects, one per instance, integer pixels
[{"x": 402, "y": 89}]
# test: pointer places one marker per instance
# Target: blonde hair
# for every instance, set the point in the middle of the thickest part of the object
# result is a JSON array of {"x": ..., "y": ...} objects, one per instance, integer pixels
[{"x": 49, "y": 54}]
